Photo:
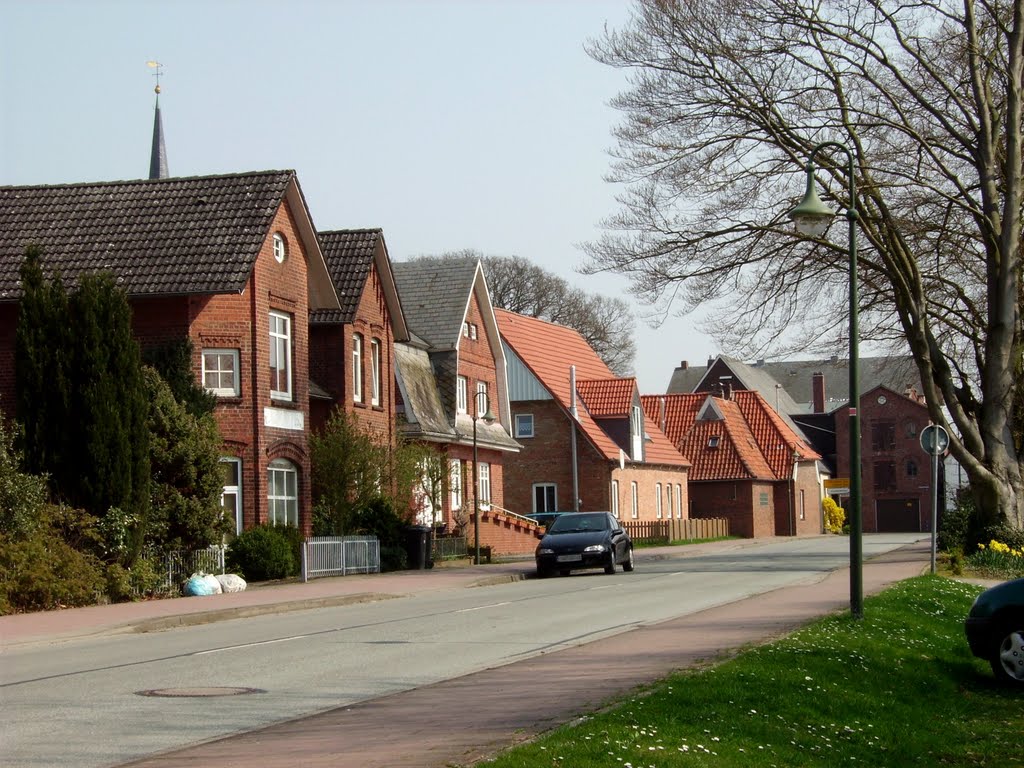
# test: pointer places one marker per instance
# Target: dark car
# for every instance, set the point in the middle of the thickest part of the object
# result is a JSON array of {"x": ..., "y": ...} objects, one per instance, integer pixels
[
  {"x": 995, "y": 630},
  {"x": 578, "y": 540}
]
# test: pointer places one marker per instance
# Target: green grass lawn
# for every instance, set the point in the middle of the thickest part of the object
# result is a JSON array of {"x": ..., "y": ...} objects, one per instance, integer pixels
[{"x": 899, "y": 688}]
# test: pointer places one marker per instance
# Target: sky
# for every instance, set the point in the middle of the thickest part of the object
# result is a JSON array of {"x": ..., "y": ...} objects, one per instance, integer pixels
[{"x": 450, "y": 124}]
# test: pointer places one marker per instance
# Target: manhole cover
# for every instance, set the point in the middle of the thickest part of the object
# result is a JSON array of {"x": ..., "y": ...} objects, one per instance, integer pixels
[{"x": 198, "y": 693}]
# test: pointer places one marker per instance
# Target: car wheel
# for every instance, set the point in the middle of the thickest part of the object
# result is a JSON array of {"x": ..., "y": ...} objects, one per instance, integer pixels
[
  {"x": 1008, "y": 657},
  {"x": 543, "y": 573},
  {"x": 609, "y": 567},
  {"x": 628, "y": 565}
]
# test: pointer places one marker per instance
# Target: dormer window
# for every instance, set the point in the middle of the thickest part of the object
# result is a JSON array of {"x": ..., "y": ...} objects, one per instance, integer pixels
[
  {"x": 714, "y": 441},
  {"x": 280, "y": 248}
]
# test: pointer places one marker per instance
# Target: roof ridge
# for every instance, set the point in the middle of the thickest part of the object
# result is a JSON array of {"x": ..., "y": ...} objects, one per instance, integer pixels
[{"x": 168, "y": 180}]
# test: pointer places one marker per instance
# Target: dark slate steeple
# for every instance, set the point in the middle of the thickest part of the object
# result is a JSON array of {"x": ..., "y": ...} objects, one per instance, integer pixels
[{"x": 158, "y": 155}]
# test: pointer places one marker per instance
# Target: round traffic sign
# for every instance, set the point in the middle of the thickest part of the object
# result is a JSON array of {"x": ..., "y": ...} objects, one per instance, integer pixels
[{"x": 934, "y": 439}]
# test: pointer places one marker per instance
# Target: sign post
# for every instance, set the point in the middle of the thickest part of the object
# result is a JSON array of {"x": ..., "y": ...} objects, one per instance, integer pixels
[{"x": 934, "y": 441}]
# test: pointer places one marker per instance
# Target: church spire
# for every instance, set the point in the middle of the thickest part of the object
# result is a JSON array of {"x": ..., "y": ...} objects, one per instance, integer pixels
[{"x": 158, "y": 155}]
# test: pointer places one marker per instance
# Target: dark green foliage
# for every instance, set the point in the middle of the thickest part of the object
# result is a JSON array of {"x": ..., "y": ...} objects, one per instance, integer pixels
[
  {"x": 80, "y": 395},
  {"x": 173, "y": 361},
  {"x": 295, "y": 540},
  {"x": 186, "y": 484},
  {"x": 43, "y": 367},
  {"x": 379, "y": 519},
  {"x": 955, "y": 524},
  {"x": 52, "y": 566},
  {"x": 262, "y": 553}
]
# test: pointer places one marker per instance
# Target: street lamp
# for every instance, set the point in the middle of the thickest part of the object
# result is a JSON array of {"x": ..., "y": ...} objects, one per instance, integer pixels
[
  {"x": 812, "y": 218},
  {"x": 488, "y": 418}
]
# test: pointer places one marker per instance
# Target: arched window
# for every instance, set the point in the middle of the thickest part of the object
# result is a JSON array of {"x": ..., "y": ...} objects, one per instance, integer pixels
[{"x": 282, "y": 493}]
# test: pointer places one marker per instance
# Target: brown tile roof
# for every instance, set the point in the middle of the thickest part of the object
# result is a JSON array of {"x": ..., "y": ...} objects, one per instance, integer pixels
[
  {"x": 349, "y": 254},
  {"x": 753, "y": 442},
  {"x": 607, "y": 397},
  {"x": 162, "y": 236},
  {"x": 548, "y": 350}
]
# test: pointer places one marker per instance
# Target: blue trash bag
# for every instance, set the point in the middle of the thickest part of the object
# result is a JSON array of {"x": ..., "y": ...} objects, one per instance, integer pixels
[{"x": 197, "y": 586}]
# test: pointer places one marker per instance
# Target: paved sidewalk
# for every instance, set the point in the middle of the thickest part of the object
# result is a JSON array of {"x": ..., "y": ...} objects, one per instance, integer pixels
[{"x": 460, "y": 721}]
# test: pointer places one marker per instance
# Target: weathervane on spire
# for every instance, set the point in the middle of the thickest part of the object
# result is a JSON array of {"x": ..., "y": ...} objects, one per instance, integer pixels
[{"x": 159, "y": 71}]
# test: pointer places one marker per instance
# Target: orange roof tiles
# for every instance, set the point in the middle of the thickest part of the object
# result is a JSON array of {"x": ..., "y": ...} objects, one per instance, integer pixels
[
  {"x": 549, "y": 350},
  {"x": 754, "y": 442},
  {"x": 607, "y": 397}
]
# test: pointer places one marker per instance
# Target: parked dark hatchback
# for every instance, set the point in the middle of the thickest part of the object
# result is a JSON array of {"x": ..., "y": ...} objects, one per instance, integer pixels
[
  {"x": 578, "y": 540},
  {"x": 995, "y": 630}
]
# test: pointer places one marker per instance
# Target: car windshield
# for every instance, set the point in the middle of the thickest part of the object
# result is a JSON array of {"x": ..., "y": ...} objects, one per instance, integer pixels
[{"x": 576, "y": 523}]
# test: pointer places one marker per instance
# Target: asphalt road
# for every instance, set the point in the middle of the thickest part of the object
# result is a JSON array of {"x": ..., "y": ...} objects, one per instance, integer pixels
[{"x": 88, "y": 702}]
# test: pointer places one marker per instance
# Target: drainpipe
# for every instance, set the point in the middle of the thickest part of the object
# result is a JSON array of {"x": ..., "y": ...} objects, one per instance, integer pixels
[{"x": 575, "y": 414}]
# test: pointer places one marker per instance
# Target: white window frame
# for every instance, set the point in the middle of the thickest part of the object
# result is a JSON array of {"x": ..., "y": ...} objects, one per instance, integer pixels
[
  {"x": 481, "y": 389},
  {"x": 634, "y": 511},
  {"x": 220, "y": 391},
  {"x": 282, "y": 500},
  {"x": 554, "y": 498},
  {"x": 615, "y": 498},
  {"x": 679, "y": 501},
  {"x": 233, "y": 490},
  {"x": 280, "y": 346},
  {"x": 524, "y": 425},
  {"x": 657, "y": 502},
  {"x": 374, "y": 371},
  {"x": 668, "y": 499},
  {"x": 636, "y": 427},
  {"x": 461, "y": 394},
  {"x": 280, "y": 248},
  {"x": 455, "y": 482},
  {"x": 484, "y": 484},
  {"x": 357, "y": 367}
]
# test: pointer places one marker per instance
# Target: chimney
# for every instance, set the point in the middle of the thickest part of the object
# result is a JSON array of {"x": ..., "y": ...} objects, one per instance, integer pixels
[
  {"x": 818, "y": 392},
  {"x": 684, "y": 365},
  {"x": 726, "y": 382},
  {"x": 711, "y": 361}
]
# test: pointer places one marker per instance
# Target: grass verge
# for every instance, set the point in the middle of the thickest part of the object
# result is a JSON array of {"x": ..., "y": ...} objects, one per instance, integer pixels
[{"x": 899, "y": 688}]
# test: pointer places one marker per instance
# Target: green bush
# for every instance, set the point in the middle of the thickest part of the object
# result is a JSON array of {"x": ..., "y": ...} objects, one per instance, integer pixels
[
  {"x": 393, "y": 559},
  {"x": 380, "y": 519},
  {"x": 955, "y": 524},
  {"x": 41, "y": 571},
  {"x": 141, "y": 580},
  {"x": 263, "y": 553}
]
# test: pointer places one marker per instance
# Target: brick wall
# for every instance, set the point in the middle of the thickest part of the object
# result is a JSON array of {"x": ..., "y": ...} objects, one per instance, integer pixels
[
  {"x": 648, "y": 478},
  {"x": 749, "y": 506},
  {"x": 904, "y": 453}
]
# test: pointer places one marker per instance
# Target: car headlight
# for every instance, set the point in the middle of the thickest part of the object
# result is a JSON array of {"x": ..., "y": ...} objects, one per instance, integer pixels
[
  {"x": 545, "y": 551},
  {"x": 595, "y": 548}
]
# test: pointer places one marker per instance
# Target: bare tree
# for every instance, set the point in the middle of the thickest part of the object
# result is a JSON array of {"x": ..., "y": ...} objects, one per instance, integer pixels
[
  {"x": 727, "y": 100},
  {"x": 519, "y": 285}
]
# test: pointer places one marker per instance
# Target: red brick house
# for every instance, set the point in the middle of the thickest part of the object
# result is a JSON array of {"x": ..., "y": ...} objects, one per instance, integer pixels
[
  {"x": 352, "y": 349},
  {"x": 748, "y": 464},
  {"x": 451, "y": 374},
  {"x": 896, "y": 493},
  {"x": 587, "y": 444},
  {"x": 812, "y": 397},
  {"x": 231, "y": 263}
]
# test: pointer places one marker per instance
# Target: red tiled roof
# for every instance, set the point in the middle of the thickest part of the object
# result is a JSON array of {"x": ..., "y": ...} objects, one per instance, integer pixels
[
  {"x": 753, "y": 441},
  {"x": 549, "y": 350},
  {"x": 607, "y": 397}
]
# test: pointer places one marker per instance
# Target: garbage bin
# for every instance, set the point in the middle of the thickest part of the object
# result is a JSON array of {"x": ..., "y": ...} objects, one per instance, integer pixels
[{"x": 418, "y": 546}]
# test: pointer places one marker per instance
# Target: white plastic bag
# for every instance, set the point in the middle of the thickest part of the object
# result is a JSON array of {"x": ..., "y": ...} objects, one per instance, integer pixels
[{"x": 231, "y": 582}]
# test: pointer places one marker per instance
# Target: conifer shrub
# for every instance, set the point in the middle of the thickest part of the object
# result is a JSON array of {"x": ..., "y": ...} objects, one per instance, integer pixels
[{"x": 262, "y": 553}]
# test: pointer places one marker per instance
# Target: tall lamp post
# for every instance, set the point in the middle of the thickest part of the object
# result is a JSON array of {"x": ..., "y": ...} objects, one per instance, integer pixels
[
  {"x": 812, "y": 217},
  {"x": 488, "y": 418}
]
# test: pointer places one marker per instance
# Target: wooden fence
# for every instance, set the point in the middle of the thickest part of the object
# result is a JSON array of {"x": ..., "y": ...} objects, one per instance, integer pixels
[{"x": 677, "y": 530}]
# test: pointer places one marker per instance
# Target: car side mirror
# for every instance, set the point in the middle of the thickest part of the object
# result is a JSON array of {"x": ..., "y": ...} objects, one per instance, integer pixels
[{"x": 618, "y": 531}]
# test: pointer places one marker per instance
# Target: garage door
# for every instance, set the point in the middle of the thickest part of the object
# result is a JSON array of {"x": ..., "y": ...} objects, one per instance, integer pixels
[{"x": 898, "y": 516}]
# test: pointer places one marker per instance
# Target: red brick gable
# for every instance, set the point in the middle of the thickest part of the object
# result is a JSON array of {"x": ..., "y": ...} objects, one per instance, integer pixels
[{"x": 777, "y": 440}]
